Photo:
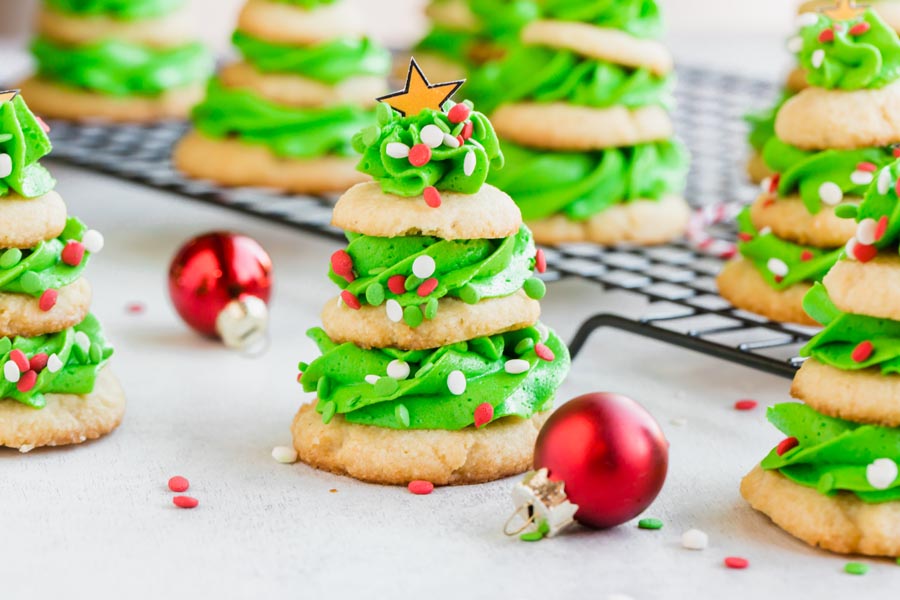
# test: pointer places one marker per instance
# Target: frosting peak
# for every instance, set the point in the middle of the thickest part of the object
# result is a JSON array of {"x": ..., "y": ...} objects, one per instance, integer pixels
[{"x": 23, "y": 142}]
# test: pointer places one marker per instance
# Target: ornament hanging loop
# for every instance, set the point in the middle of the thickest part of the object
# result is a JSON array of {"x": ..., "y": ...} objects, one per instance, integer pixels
[{"x": 527, "y": 523}]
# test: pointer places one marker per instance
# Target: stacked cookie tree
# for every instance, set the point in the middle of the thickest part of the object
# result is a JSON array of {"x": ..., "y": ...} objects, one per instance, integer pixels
[
  {"x": 833, "y": 481},
  {"x": 54, "y": 388},
  {"x": 830, "y": 140},
  {"x": 583, "y": 105},
  {"x": 284, "y": 116},
  {"x": 434, "y": 365},
  {"x": 120, "y": 60}
]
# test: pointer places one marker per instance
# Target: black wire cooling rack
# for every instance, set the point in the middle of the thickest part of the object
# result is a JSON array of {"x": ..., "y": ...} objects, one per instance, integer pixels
[{"x": 676, "y": 281}]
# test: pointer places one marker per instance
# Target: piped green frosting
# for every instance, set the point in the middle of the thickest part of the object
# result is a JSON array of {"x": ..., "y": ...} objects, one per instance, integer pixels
[
  {"x": 24, "y": 141},
  {"x": 762, "y": 123},
  {"x": 35, "y": 270},
  {"x": 640, "y": 18},
  {"x": 117, "y": 9},
  {"x": 881, "y": 203}
]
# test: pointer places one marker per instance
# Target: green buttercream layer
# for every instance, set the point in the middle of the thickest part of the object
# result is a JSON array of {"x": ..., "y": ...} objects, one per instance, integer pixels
[
  {"x": 640, "y": 18},
  {"x": 23, "y": 139},
  {"x": 423, "y": 401},
  {"x": 120, "y": 68},
  {"x": 882, "y": 202},
  {"x": 540, "y": 74},
  {"x": 41, "y": 268},
  {"x": 804, "y": 171},
  {"x": 81, "y": 363},
  {"x": 581, "y": 185},
  {"x": 117, "y": 9},
  {"x": 804, "y": 263},
  {"x": 330, "y": 62},
  {"x": 287, "y": 131},
  {"x": 852, "y": 61},
  {"x": 762, "y": 123},
  {"x": 832, "y": 454},
  {"x": 452, "y": 44},
  {"x": 502, "y": 20},
  {"x": 446, "y": 168}
]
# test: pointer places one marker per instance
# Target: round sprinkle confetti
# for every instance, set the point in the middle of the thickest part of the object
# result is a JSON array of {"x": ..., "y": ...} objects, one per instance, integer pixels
[
  {"x": 884, "y": 181},
  {"x": 371, "y": 379},
  {"x": 855, "y": 568},
  {"x": 397, "y": 284},
  {"x": 48, "y": 300},
  {"x": 427, "y": 287},
  {"x": 826, "y": 36},
  {"x": 432, "y": 136},
  {"x": 420, "y": 487},
  {"x": 861, "y": 177},
  {"x": 459, "y": 113},
  {"x": 860, "y": 28},
  {"x": 386, "y": 386},
  {"x": 419, "y": 155},
  {"x": 516, "y": 366},
  {"x": 456, "y": 383},
  {"x": 423, "y": 267},
  {"x": 401, "y": 413},
  {"x": 397, "y": 150},
  {"x": 398, "y": 369},
  {"x": 73, "y": 253},
  {"x": 38, "y": 362},
  {"x": 432, "y": 197},
  {"x": 92, "y": 240},
  {"x": 882, "y": 473},
  {"x": 524, "y": 346},
  {"x": 19, "y": 358},
  {"x": 350, "y": 300},
  {"x": 534, "y": 288},
  {"x": 868, "y": 167},
  {"x": 185, "y": 502},
  {"x": 135, "y": 308},
  {"x": 694, "y": 539},
  {"x": 484, "y": 414},
  {"x": 10, "y": 258},
  {"x": 412, "y": 316},
  {"x": 745, "y": 404},
  {"x": 786, "y": 445},
  {"x": 544, "y": 352},
  {"x": 54, "y": 364},
  {"x": 179, "y": 484},
  {"x": 862, "y": 352},
  {"x": 807, "y": 256},
  {"x": 777, "y": 267},
  {"x": 469, "y": 163},
  {"x": 6, "y": 165},
  {"x": 394, "y": 310},
  {"x": 818, "y": 58},
  {"x": 865, "y": 231},
  {"x": 27, "y": 381},
  {"x": 650, "y": 524},
  {"x": 11, "y": 371},
  {"x": 830, "y": 193},
  {"x": 284, "y": 454},
  {"x": 540, "y": 261},
  {"x": 736, "y": 562},
  {"x": 375, "y": 294},
  {"x": 450, "y": 141}
]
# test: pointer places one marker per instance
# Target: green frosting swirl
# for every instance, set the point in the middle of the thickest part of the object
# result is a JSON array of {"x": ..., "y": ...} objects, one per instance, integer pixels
[
  {"x": 762, "y": 122},
  {"x": 804, "y": 171},
  {"x": 423, "y": 400},
  {"x": 330, "y": 62},
  {"x": 851, "y": 61},
  {"x": 832, "y": 454},
  {"x": 41, "y": 268},
  {"x": 82, "y": 350},
  {"x": 581, "y": 185},
  {"x": 880, "y": 202},
  {"x": 502, "y": 20},
  {"x": 287, "y": 131},
  {"x": 23, "y": 139},
  {"x": 804, "y": 263},
  {"x": 640, "y": 18},
  {"x": 117, "y": 9},
  {"x": 121, "y": 68},
  {"x": 446, "y": 168},
  {"x": 452, "y": 44}
]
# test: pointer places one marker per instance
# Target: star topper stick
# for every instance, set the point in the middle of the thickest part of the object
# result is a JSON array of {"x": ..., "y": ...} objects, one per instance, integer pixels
[
  {"x": 419, "y": 94},
  {"x": 844, "y": 10},
  {"x": 7, "y": 95}
]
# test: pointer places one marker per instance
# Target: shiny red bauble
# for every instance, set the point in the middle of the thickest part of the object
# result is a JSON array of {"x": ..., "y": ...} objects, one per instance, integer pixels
[
  {"x": 214, "y": 269},
  {"x": 610, "y": 453}
]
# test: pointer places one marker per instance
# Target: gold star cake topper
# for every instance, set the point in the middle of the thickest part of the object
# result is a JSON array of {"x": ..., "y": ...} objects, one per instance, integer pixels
[
  {"x": 7, "y": 95},
  {"x": 844, "y": 10},
  {"x": 419, "y": 94}
]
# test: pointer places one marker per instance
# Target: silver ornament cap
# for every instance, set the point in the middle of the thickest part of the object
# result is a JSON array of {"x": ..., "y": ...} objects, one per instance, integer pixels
[{"x": 244, "y": 324}]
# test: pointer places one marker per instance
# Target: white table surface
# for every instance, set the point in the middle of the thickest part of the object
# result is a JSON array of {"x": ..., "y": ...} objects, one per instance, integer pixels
[{"x": 96, "y": 521}]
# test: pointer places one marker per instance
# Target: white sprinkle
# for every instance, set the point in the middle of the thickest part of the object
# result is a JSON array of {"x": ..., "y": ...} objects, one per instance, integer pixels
[
  {"x": 884, "y": 181},
  {"x": 861, "y": 177},
  {"x": 394, "y": 310},
  {"x": 5, "y": 165},
  {"x": 432, "y": 136},
  {"x": 766, "y": 185},
  {"x": 83, "y": 341},
  {"x": 92, "y": 240},
  {"x": 397, "y": 150},
  {"x": 423, "y": 267},
  {"x": 11, "y": 371},
  {"x": 678, "y": 421},
  {"x": 795, "y": 44},
  {"x": 694, "y": 539},
  {"x": 371, "y": 379},
  {"x": 830, "y": 193},
  {"x": 469, "y": 164},
  {"x": 882, "y": 473},
  {"x": 398, "y": 369},
  {"x": 765, "y": 231},
  {"x": 865, "y": 231},
  {"x": 456, "y": 383},
  {"x": 777, "y": 267},
  {"x": 284, "y": 454},
  {"x": 54, "y": 364},
  {"x": 806, "y": 19},
  {"x": 849, "y": 248},
  {"x": 817, "y": 58},
  {"x": 450, "y": 141},
  {"x": 516, "y": 366}
]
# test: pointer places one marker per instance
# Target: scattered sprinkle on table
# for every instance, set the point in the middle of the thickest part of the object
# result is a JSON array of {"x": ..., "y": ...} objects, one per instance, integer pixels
[
  {"x": 179, "y": 484},
  {"x": 855, "y": 568},
  {"x": 185, "y": 502},
  {"x": 284, "y": 454},
  {"x": 134, "y": 308},
  {"x": 694, "y": 539},
  {"x": 420, "y": 488},
  {"x": 333, "y": 490},
  {"x": 679, "y": 421},
  {"x": 736, "y": 562},
  {"x": 745, "y": 404},
  {"x": 650, "y": 524}
]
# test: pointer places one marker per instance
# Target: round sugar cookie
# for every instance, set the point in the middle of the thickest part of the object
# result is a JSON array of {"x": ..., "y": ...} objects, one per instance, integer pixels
[
  {"x": 742, "y": 285},
  {"x": 25, "y": 222},
  {"x": 788, "y": 218},
  {"x": 488, "y": 214},
  {"x": 231, "y": 162},
  {"x": 601, "y": 43},
  {"x": 21, "y": 314},
  {"x": 396, "y": 457},
  {"x": 50, "y": 99},
  {"x": 561, "y": 126},
  {"x": 796, "y": 81},
  {"x": 282, "y": 23},
  {"x": 166, "y": 31},
  {"x": 454, "y": 15},
  {"x": 66, "y": 419},
  {"x": 456, "y": 321},
  {"x": 757, "y": 169},
  {"x": 871, "y": 288},
  {"x": 864, "y": 396},
  {"x": 842, "y": 523},
  {"x": 644, "y": 222}
]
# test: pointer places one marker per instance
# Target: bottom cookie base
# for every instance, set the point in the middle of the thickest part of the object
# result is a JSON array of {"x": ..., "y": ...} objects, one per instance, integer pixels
[
  {"x": 742, "y": 285},
  {"x": 757, "y": 169},
  {"x": 864, "y": 396},
  {"x": 842, "y": 523},
  {"x": 396, "y": 457}
]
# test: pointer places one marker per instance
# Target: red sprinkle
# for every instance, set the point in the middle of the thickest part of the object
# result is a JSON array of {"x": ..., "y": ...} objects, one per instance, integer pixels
[
  {"x": 806, "y": 256},
  {"x": 299, "y": 377},
  {"x": 185, "y": 502},
  {"x": 48, "y": 300},
  {"x": 543, "y": 352},
  {"x": 860, "y": 28},
  {"x": 73, "y": 253},
  {"x": 745, "y": 237},
  {"x": 736, "y": 562},
  {"x": 745, "y": 404},
  {"x": 897, "y": 185},
  {"x": 419, "y": 155},
  {"x": 397, "y": 284},
  {"x": 770, "y": 201},
  {"x": 135, "y": 308},
  {"x": 459, "y": 113},
  {"x": 461, "y": 140},
  {"x": 862, "y": 352},
  {"x": 867, "y": 167},
  {"x": 42, "y": 123},
  {"x": 864, "y": 253},
  {"x": 432, "y": 197},
  {"x": 786, "y": 445},
  {"x": 826, "y": 36},
  {"x": 540, "y": 261},
  {"x": 38, "y": 362},
  {"x": 350, "y": 300},
  {"x": 18, "y": 357},
  {"x": 420, "y": 487},
  {"x": 468, "y": 130},
  {"x": 484, "y": 413},
  {"x": 179, "y": 484},
  {"x": 342, "y": 265},
  {"x": 27, "y": 381},
  {"x": 881, "y": 228},
  {"x": 773, "y": 183},
  {"x": 779, "y": 278},
  {"x": 428, "y": 286}
]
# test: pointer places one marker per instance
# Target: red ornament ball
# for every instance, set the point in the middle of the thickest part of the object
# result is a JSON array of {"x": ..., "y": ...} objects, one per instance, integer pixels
[
  {"x": 212, "y": 270},
  {"x": 610, "y": 453}
]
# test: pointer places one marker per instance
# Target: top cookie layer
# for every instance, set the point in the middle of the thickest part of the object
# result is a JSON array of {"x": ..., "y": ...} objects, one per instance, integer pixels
[
  {"x": 286, "y": 24},
  {"x": 24, "y": 222},
  {"x": 159, "y": 32},
  {"x": 871, "y": 289}
]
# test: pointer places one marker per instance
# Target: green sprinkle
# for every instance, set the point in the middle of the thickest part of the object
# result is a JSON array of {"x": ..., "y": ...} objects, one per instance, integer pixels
[
  {"x": 431, "y": 308},
  {"x": 440, "y": 124},
  {"x": 328, "y": 411},
  {"x": 323, "y": 388},
  {"x": 370, "y": 135},
  {"x": 302, "y": 366},
  {"x": 524, "y": 346},
  {"x": 402, "y": 414},
  {"x": 650, "y": 524},
  {"x": 855, "y": 568},
  {"x": 79, "y": 353},
  {"x": 898, "y": 561},
  {"x": 469, "y": 294},
  {"x": 460, "y": 347},
  {"x": 412, "y": 316},
  {"x": 458, "y": 129},
  {"x": 846, "y": 211},
  {"x": 96, "y": 354},
  {"x": 5, "y": 345},
  {"x": 385, "y": 386},
  {"x": 532, "y": 536},
  {"x": 384, "y": 114},
  {"x": 31, "y": 283},
  {"x": 375, "y": 294},
  {"x": 535, "y": 288},
  {"x": 826, "y": 483},
  {"x": 544, "y": 527},
  {"x": 412, "y": 282},
  {"x": 10, "y": 258}
]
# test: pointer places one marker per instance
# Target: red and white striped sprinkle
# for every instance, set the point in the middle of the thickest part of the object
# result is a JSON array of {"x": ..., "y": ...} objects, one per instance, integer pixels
[
  {"x": 185, "y": 502},
  {"x": 48, "y": 300},
  {"x": 420, "y": 487},
  {"x": 179, "y": 484},
  {"x": 484, "y": 414}
]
